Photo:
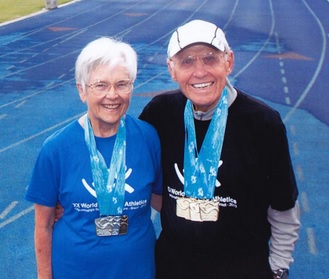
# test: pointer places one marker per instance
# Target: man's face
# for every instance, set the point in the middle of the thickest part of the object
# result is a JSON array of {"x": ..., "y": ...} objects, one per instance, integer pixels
[{"x": 201, "y": 72}]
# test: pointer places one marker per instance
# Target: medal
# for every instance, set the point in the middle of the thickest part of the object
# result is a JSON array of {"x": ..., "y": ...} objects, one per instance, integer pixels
[
  {"x": 201, "y": 168},
  {"x": 111, "y": 225},
  {"x": 197, "y": 210},
  {"x": 109, "y": 183}
]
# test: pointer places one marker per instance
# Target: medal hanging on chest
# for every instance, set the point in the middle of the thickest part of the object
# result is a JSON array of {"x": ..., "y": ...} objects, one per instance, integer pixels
[
  {"x": 200, "y": 168},
  {"x": 109, "y": 183}
]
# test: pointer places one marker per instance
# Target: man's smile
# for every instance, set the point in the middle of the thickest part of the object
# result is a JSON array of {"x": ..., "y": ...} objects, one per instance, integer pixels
[{"x": 202, "y": 85}]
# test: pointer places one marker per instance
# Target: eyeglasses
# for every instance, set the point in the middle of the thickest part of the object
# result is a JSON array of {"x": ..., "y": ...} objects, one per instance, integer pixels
[
  {"x": 188, "y": 62},
  {"x": 99, "y": 87}
]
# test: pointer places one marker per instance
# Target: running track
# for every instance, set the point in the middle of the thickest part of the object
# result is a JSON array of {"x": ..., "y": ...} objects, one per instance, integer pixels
[{"x": 281, "y": 53}]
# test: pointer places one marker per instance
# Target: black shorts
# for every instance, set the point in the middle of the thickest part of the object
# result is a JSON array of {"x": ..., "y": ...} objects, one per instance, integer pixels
[{"x": 176, "y": 262}]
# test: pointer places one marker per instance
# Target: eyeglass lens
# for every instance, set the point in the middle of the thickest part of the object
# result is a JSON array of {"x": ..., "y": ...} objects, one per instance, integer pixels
[
  {"x": 208, "y": 60},
  {"x": 101, "y": 87}
]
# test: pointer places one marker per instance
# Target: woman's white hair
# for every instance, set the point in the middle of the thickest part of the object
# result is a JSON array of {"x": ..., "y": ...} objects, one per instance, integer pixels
[{"x": 104, "y": 51}]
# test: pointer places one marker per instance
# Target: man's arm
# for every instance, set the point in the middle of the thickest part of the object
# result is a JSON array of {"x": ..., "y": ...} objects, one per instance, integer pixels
[
  {"x": 44, "y": 222},
  {"x": 284, "y": 234}
]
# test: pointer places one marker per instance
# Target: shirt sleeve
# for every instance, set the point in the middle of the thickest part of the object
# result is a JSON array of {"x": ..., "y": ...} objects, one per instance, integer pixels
[
  {"x": 285, "y": 226},
  {"x": 43, "y": 186},
  {"x": 281, "y": 178}
]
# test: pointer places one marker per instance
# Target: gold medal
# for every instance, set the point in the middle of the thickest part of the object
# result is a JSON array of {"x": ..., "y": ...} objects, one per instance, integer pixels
[{"x": 197, "y": 210}]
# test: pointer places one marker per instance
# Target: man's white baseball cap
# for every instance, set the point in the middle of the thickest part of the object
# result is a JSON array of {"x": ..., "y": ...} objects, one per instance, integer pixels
[{"x": 197, "y": 31}]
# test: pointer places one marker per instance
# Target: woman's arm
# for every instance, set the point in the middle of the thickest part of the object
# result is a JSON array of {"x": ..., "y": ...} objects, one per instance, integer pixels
[
  {"x": 156, "y": 202},
  {"x": 44, "y": 222}
]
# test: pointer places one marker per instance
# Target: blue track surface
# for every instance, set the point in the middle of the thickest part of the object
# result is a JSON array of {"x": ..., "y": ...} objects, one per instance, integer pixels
[{"x": 281, "y": 53}]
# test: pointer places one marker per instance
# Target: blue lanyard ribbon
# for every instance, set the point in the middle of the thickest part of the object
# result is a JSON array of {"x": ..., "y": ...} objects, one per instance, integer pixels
[
  {"x": 200, "y": 168},
  {"x": 109, "y": 183}
]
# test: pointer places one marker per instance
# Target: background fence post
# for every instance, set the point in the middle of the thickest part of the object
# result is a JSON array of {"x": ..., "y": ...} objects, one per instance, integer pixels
[{"x": 51, "y": 4}]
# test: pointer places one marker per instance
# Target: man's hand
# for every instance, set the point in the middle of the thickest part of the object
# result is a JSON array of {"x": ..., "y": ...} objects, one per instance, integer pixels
[
  {"x": 59, "y": 211},
  {"x": 281, "y": 274}
]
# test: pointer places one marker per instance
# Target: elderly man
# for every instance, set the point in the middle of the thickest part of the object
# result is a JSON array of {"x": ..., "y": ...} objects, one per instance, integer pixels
[{"x": 230, "y": 205}]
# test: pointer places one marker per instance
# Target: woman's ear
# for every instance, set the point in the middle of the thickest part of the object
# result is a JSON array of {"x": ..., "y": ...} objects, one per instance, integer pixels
[{"x": 82, "y": 93}]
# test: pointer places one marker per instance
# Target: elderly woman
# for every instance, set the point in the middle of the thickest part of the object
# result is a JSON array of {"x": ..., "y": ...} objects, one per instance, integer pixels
[{"x": 103, "y": 169}]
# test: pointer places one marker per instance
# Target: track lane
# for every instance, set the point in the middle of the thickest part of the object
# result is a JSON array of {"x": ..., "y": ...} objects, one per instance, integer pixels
[{"x": 36, "y": 104}]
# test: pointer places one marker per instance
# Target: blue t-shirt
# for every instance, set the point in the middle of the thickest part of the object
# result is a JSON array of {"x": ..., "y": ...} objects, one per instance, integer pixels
[{"x": 63, "y": 173}]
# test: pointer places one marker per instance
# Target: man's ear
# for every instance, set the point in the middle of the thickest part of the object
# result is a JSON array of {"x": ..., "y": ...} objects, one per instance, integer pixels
[
  {"x": 82, "y": 93},
  {"x": 171, "y": 68},
  {"x": 230, "y": 62}
]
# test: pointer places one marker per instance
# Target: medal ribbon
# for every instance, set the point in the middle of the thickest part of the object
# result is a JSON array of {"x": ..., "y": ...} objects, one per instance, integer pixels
[
  {"x": 200, "y": 170},
  {"x": 109, "y": 183}
]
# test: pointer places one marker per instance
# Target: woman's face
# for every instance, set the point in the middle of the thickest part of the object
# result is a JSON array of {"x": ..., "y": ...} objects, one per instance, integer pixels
[{"x": 106, "y": 107}]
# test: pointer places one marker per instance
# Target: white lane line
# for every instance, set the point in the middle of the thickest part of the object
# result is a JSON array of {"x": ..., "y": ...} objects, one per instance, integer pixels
[
  {"x": 17, "y": 216},
  {"x": 295, "y": 148},
  {"x": 20, "y": 104},
  {"x": 283, "y": 72},
  {"x": 7, "y": 210},
  {"x": 2, "y": 116},
  {"x": 287, "y": 99},
  {"x": 263, "y": 46},
  {"x": 311, "y": 241},
  {"x": 232, "y": 14},
  {"x": 299, "y": 172},
  {"x": 40, "y": 133},
  {"x": 318, "y": 69},
  {"x": 44, "y": 90},
  {"x": 304, "y": 202},
  {"x": 293, "y": 129}
]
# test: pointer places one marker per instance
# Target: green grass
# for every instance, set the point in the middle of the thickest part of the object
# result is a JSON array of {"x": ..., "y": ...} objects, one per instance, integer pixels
[{"x": 13, "y": 9}]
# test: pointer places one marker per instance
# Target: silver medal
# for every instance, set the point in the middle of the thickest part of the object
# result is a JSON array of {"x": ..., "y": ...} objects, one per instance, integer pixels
[{"x": 111, "y": 225}]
